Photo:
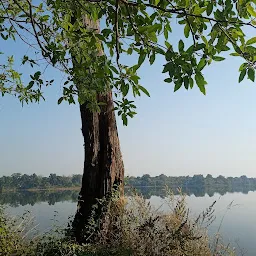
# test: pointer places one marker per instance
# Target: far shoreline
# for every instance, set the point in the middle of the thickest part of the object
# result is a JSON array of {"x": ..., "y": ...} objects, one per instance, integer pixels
[
  {"x": 77, "y": 188},
  {"x": 41, "y": 189}
]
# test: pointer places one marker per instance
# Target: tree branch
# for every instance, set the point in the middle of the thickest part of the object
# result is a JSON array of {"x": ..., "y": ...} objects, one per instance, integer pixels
[
  {"x": 117, "y": 34},
  {"x": 34, "y": 28},
  {"x": 182, "y": 11}
]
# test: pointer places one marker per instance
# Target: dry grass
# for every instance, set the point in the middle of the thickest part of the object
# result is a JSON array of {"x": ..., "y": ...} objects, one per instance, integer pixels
[{"x": 131, "y": 226}]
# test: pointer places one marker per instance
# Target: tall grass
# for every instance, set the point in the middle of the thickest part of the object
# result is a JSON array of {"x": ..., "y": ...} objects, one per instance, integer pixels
[{"x": 131, "y": 226}]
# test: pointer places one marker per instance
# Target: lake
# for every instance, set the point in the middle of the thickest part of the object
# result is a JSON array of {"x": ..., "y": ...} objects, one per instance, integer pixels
[{"x": 238, "y": 226}]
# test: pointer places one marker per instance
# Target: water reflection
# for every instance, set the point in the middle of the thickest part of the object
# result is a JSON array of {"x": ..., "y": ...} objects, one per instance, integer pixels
[
  {"x": 22, "y": 198},
  {"x": 198, "y": 191}
]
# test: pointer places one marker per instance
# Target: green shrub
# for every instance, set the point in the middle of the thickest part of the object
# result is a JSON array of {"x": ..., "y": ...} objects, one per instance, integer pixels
[{"x": 13, "y": 233}]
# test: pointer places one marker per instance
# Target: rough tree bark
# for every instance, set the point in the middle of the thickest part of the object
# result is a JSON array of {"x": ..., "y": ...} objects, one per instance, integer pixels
[{"x": 103, "y": 164}]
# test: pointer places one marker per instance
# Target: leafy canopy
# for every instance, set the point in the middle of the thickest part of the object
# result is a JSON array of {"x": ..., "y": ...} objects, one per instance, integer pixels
[{"x": 60, "y": 33}]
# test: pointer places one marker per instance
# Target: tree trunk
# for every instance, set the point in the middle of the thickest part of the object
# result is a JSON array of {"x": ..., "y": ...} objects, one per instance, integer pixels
[{"x": 103, "y": 165}]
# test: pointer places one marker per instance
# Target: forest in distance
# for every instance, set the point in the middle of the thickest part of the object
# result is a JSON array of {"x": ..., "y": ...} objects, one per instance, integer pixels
[{"x": 198, "y": 184}]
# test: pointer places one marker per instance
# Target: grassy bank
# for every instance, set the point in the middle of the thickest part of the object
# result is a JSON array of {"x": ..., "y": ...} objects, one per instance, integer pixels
[{"x": 131, "y": 227}]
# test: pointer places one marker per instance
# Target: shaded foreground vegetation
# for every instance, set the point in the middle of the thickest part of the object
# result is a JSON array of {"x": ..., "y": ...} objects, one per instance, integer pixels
[{"x": 130, "y": 226}]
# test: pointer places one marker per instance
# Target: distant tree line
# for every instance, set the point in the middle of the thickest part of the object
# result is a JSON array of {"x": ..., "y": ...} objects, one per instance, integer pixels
[
  {"x": 18, "y": 181},
  {"x": 197, "y": 181}
]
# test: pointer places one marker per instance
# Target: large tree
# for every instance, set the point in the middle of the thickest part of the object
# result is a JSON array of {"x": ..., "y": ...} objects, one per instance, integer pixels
[{"x": 66, "y": 34}]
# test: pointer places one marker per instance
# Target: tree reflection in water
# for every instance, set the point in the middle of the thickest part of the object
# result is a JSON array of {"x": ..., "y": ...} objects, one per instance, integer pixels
[{"x": 15, "y": 199}]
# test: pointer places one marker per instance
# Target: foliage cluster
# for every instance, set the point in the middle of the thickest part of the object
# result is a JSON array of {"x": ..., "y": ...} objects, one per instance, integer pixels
[{"x": 64, "y": 34}]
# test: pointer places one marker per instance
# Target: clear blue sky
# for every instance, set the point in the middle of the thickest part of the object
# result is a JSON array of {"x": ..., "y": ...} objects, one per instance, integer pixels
[{"x": 182, "y": 133}]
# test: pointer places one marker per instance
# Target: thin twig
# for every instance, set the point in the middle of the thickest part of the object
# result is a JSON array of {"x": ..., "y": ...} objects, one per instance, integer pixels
[
  {"x": 34, "y": 28},
  {"x": 117, "y": 35}
]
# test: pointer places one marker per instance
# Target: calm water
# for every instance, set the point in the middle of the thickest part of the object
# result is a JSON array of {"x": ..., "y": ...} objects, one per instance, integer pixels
[{"x": 238, "y": 227}]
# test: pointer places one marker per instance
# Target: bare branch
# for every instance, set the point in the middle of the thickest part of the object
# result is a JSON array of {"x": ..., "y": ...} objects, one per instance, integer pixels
[
  {"x": 34, "y": 28},
  {"x": 117, "y": 34}
]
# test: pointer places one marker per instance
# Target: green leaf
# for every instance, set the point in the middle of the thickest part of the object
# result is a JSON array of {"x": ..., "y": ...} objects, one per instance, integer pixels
[
  {"x": 114, "y": 69},
  {"x": 30, "y": 85},
  {"x": 37, "y": 75},
  {"x": 168, "y": 55},
  {"x": 152, "y": 58},
  {"x": 166, "y": 33},
  {"x": 167, "y": 67},
  {"x": 186, "y": 31},
  {"x": 209, "y": 8},
  {"x": 251, "y": 74},
  {"x": 149, "y": 29},
  {"x": 218, "y": 58},
  {"x": 60, "y": 100},
  {"x": 251, "y": 10},
  {"x": 198, "y": 10},
  {"x": 131, "y": 114},
  {"x": 181, "y": 46},
  {"x": 177, "y": 85},
  {"x": 186, "y": 82},
  {"x": 124, "y": 88},
  {"x": 106, "y": 32},
  {"x": 141, "y": 57},
  {"x": 168, "y": 80},
  {"x": 124, "y": 118},
  {"x": 135, "y": 79},
  {"x": 243, "y": 66},
  {"x": 200, "y": 82},
  {"x": 199, "y": 47},
  {"x": 238, "y": 50},
  {"x": 191, "y": 82},
  {"x": 129, "y": 51},
  {"x": 251, "y": 41},
  {"x": 242, "y": 75},
  {"x": 234, "y": 54},
  {"x": 201, "y": 64},
  {"x": 144, "y": 90},
  {"x": 5, "y": 37}
]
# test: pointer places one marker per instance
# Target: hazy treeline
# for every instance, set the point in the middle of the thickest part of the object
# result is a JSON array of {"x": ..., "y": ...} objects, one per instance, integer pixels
[
  {"x": 19, "y": 181},
  {"x": 197, "y": 181}
]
